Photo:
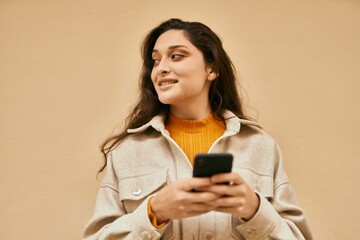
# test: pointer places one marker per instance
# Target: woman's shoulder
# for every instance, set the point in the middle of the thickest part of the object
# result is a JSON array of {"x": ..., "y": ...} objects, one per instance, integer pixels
[
  {"x": 254, "y": 131},
  {"x": 140, "y": 139}
]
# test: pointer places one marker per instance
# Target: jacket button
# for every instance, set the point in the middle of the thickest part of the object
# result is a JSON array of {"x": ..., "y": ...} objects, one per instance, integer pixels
[
  {"x": 145, "y": 235},
  {"x": 250, "y": 232},
  {"x": 208, "y": 236},
  {"x": 256, "y": 186},
  {"x": 136, "y": 192}
]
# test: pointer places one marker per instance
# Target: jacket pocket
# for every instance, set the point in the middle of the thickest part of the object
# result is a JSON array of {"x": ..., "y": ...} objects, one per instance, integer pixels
[
  {"x": 133, "y": 190},
  {"x": 259, "y": 182}
]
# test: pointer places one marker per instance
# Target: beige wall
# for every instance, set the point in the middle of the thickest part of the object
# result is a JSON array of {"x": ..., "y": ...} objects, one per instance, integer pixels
[{"x": 68, "y": 73}]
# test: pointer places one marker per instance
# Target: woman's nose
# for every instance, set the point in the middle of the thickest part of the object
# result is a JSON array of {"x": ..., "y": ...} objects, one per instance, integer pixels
[{"x": 163, "y": 67}]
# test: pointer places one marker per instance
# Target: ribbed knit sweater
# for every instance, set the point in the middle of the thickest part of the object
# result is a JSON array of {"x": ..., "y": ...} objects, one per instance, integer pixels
[{"x": 195, "y": 136}]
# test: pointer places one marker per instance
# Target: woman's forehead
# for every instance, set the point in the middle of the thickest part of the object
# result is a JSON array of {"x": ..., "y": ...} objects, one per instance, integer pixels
[{"x": 172, "y": 39}]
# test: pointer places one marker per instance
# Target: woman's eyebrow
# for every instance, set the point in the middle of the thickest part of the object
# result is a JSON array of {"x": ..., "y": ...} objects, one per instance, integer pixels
[
  {"x": 178, "y": 46},
  {"x": 173, "y": 47}
]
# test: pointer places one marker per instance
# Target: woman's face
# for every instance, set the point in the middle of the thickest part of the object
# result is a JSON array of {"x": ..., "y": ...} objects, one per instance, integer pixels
[{"x": 180, "y": 75}]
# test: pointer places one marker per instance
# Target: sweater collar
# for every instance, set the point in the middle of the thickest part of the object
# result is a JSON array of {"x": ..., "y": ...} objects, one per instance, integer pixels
[
  {"x": 191, "y": 126},
  {"x": 233, "y": 123}
]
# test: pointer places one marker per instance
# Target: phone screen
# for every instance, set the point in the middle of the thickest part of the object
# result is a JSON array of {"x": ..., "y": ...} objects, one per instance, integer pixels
[{"x": 208, "y": 164}]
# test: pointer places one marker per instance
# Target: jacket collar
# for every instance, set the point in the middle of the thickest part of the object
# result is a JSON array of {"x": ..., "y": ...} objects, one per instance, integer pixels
[{"x": 233, "y": 123}]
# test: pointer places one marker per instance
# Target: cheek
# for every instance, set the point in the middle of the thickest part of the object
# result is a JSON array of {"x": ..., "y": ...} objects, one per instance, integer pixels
[
  {"x": 197, "y": 75},
  {"x": 152, "y": 76}
]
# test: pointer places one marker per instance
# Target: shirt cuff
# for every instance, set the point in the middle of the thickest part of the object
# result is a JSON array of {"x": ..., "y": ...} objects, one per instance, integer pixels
[
  {"x": 262, "y": 223},
  {"x": 152, "y": 217}
]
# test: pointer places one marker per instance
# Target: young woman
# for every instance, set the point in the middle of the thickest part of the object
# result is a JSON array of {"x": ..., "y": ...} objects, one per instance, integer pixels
[{"x": 189, "y": 104}]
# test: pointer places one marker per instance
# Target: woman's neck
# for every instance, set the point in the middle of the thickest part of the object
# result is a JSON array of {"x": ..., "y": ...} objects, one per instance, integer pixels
[{"x": 191, "y": 112}]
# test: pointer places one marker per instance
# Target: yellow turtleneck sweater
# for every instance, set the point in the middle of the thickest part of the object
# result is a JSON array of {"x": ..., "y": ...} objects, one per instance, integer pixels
[{"x": 194, "y": 136}]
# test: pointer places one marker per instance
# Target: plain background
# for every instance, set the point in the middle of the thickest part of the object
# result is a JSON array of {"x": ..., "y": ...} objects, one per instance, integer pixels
[{"x": 68, "y": 75}]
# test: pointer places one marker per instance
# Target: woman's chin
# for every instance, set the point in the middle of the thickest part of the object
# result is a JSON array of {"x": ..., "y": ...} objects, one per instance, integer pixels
[{"x": 166, "y": 100}]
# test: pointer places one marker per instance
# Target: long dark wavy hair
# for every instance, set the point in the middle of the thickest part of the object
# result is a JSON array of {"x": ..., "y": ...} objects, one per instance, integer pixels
[{"x": 223, "y": 93}]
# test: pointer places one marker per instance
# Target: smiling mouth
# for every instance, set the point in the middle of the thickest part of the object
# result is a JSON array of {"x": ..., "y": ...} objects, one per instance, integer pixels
[{"x": 167, "y": 82}]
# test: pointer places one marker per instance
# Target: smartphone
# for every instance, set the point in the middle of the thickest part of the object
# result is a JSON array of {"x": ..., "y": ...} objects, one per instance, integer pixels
[{"x": 208, "y": 164}]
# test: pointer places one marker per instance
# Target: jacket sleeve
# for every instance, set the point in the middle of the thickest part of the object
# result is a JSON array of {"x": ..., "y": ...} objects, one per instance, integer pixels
[
  {"x": 278, "y": 217},
  {"x": 110, "y": 219}
]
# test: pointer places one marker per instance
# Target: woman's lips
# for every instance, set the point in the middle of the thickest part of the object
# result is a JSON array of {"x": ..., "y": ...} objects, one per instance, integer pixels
[{"x": 167, "y": 81}]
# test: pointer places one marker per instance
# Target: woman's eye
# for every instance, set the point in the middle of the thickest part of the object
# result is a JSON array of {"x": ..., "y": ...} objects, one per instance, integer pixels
[
  {"x": 156, "y": 62},
  {"x": 176, "y": 56}
]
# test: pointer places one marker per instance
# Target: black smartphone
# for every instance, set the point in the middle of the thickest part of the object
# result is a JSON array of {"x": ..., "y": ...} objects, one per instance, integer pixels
[{"x": 208, "y": 164}]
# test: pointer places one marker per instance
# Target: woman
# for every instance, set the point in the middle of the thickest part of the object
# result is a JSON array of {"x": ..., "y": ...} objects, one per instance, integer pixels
[{"x": 189, "y": 104}]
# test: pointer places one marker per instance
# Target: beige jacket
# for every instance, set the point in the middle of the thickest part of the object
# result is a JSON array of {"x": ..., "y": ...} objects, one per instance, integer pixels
[{"x": 149, "y": 159}]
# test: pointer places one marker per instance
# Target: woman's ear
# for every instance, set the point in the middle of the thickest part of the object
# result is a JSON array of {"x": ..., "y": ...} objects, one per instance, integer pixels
[{"x": 212, "y": 75}]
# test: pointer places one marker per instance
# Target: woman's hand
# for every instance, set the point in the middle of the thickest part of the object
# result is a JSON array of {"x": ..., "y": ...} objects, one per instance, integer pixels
[
  {"x": 237, "y": 197},
  {"x": 177, "y": 200}
]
